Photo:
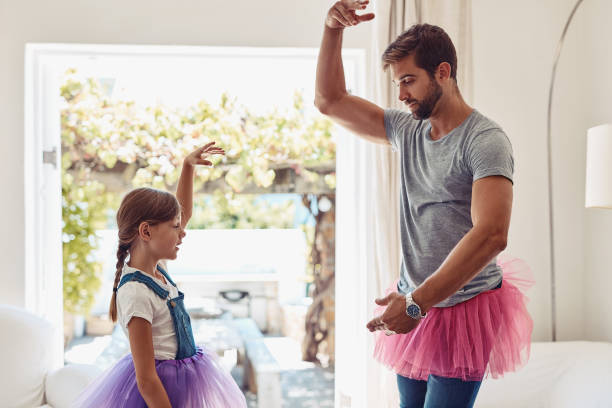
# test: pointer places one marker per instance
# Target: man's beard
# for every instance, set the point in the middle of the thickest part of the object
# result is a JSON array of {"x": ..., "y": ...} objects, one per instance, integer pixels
[{"x": 426, "y": 106}]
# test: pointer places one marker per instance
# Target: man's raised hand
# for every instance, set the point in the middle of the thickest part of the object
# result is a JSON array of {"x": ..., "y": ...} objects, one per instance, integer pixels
[{"x": 344, "y": 14}]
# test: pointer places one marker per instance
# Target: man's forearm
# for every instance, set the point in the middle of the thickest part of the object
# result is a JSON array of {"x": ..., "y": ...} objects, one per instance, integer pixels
[
  {"x": 465, "y": 261},
  {"x": 330, "y": 84},
  {"x": 184, "y": 192}
]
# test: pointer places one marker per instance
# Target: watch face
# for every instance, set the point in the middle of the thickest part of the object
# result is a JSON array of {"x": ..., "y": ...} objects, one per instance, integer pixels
[{"x": 413, "y": 311}]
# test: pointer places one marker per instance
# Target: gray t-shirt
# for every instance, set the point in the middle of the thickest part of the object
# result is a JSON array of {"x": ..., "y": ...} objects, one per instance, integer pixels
[{"x": 436, "y": 192}]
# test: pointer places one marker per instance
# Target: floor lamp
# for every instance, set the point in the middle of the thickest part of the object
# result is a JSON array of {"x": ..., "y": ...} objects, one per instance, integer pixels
[
  {"x": 598, "y": 193},
  {"x": 598, "y": 170}
]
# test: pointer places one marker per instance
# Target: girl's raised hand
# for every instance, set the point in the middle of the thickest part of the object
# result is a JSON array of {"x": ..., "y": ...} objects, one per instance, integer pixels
[{"x": 199, "y": 155}]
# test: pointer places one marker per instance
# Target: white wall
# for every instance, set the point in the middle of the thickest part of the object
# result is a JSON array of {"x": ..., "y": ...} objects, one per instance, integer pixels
[
  {"x": 514, "y": 45},
  {"x": 266, "y": 23},
  {"x": 595, "y": 72}
]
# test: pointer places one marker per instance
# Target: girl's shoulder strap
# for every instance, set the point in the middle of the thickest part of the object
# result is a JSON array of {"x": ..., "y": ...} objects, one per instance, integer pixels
[
  {"x": 147, "y": 280},
  {"x": 161, "y": 270}
]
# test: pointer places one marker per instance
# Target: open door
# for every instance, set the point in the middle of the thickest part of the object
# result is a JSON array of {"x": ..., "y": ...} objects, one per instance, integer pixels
[{"x": 43, "y": 205}]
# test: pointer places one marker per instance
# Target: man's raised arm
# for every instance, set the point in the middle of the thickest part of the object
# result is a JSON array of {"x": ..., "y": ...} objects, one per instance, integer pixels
[{"x": 331, "y": 98}]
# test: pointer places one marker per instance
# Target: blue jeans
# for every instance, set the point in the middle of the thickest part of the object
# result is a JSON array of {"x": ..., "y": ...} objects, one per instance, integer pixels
[{"x": 437, "y": 392}]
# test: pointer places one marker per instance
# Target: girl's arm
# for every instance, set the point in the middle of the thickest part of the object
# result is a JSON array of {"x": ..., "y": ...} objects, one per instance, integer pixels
[
  {"x": 184, "y": 191},
  {"x": 141, "y": 345}
]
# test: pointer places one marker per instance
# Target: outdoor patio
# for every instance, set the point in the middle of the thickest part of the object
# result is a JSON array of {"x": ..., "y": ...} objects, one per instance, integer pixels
[{"x": 302, "y": 384}]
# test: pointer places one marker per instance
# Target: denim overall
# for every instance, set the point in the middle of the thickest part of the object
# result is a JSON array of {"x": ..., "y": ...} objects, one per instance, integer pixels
[{"x": 182, "y": 322}]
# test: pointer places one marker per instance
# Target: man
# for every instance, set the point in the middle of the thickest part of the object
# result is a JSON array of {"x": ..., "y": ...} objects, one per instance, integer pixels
[{"x": 450, "y": 320}]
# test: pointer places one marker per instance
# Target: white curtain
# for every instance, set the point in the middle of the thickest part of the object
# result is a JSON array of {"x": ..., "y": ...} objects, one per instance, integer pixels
[
  {"x": 455, "y": 17},
  {"x": 392, "y": 18},
  {"x": 368, "y": 249}
]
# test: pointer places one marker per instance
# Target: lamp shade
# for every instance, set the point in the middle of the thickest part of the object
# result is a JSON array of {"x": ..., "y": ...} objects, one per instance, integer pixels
[{"x": 599, "y": 167}]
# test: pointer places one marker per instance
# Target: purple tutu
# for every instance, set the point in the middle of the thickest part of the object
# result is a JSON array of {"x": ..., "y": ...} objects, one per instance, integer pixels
[{"x": 194, "y": 382}]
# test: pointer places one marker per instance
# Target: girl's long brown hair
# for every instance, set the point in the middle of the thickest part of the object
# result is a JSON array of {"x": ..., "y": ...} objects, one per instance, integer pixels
[{"x": 140, "y": 205}]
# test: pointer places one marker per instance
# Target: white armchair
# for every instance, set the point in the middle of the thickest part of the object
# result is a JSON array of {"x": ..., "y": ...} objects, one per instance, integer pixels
[{"x": 27, "y": 378}]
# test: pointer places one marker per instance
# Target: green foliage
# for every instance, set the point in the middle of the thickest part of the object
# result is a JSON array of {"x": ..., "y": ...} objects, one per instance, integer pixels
[
  {"x": 232, "y": 211},
  {"x": 83, "y": 204},
  {"x": 155, "y": 139},
  {"x": 146, "y": 145}
]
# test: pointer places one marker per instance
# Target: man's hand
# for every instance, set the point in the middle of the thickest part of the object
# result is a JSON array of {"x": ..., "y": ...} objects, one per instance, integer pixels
[
  {"x": 394, "y": 318},
  {"x": 343, "y": 14},
  {"x": 199, "y": 155}
]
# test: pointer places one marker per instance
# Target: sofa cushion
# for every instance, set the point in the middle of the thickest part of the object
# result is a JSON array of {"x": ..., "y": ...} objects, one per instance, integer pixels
[
  {"x": 25, "y": 355},
  {"x": 558, "y": 375},
  {"x": 587, "y": 381},
  {"x": 65, "y": 384}
]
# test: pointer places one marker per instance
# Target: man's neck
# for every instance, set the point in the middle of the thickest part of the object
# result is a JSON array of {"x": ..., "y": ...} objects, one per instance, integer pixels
[{"x": 450, "y": 112}]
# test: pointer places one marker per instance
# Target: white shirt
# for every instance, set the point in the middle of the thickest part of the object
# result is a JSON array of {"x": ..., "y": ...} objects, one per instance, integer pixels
[{"x": 135, "y": 299}]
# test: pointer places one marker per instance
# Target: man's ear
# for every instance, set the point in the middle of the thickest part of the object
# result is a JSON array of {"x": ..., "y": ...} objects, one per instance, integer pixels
[
  {"x": 443, "y": 71},
  {"x": 144, "y": 231}
]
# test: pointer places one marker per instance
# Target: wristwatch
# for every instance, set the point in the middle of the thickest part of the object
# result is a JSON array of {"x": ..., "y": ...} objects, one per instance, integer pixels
[{"x": 412, "y": 309}]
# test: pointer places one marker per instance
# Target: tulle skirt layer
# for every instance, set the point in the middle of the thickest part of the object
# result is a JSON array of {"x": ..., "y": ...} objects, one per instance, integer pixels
[
  {"x": 194, "y": 382},
  {"x": 487, "y": 335}
]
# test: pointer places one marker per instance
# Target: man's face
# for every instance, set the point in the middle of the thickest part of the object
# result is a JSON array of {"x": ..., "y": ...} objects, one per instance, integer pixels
[{"x": 417, "y": 88}]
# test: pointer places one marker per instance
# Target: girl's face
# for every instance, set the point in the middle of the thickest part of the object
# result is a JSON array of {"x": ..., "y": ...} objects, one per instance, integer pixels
[{"x": 166, "y": 238}]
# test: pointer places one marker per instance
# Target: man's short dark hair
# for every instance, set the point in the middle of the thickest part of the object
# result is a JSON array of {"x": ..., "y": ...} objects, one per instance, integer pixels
[{"x": 430, "y": 45}]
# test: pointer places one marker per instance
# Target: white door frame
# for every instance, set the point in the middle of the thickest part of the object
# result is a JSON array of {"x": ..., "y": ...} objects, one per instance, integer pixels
[
  {"x": 42, "y": 193},
  {"x": 43, "y": 230}
]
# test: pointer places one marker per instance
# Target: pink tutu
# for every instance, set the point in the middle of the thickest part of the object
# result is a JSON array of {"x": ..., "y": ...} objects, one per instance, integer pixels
[{"x": 487, "y": 335}]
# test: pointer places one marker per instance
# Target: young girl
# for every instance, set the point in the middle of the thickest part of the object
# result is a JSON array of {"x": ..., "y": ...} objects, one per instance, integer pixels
[{"x": 165, "y": 368}]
